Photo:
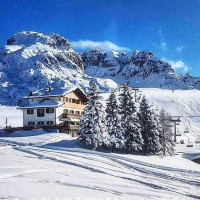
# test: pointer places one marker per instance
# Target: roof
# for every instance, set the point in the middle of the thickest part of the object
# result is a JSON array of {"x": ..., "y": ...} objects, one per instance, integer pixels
[
  {"x": 55, "y": 92},
  {"x": 44, "y": 104}
]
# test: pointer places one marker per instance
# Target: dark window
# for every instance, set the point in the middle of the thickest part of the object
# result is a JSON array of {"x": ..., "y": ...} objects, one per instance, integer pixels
[
  {"x": 41, "y": 123},
  {"x": 66, "y": 99},
  {"x": 31, "y": 123},
  {"x": 49, "y": 110},
  {"x": 65, "y": 111},
  {"x": 49, "y": 122},
  {"x": 73, "y": 100},
  {"x": 72, "y": 111},
  {"x": 30, "y": 111},
  {"x": 40, "y": 112},
  {"x": 78, "y": 101},
  {"x": 77, "y": 112}
]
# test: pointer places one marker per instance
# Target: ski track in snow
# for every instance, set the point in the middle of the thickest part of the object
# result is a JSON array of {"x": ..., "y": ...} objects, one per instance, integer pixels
[{"x": 176, "y": 181}]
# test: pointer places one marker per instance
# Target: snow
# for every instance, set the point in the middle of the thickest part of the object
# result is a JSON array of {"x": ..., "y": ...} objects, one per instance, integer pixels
[
  {"x": 53, "y": 165},
  {"x": 63, "y": 169},
  {"x": 14, "y": 116}
]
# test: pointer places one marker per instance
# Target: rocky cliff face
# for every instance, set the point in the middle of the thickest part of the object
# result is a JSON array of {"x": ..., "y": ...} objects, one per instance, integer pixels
[
  {"x": 139, "y": 68},
  {"x": 31, "y": 61}
]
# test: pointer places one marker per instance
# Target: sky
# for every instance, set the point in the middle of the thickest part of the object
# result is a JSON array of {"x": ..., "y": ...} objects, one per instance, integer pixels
[{"x": 169, "y": 28}]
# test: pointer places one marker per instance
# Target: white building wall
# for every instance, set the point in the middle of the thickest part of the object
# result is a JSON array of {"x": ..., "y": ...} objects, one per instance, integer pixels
[
  {"x": 33, "y": 117},
  {"x": 59, "y": 112},
  {"x": 55, "y": 117}
]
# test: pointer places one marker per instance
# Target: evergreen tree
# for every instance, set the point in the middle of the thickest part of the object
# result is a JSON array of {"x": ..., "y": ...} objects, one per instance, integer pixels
[
  {"x": 149, "y": 128},
  {"x": 93, "y": 130},
  {"x": 166, "y": 134},
  {"x": 113, "y": 122},
  {"x": 129, "y": 120}
]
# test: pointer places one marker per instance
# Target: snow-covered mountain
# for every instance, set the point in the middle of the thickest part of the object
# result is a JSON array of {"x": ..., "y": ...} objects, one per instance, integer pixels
[
  {"x": 32, "y": 61},
  {"x": 138, "y": 68}
]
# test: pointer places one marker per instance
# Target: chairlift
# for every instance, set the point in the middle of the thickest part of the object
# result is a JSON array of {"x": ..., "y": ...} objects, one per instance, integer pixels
[
  {"x": 186, "y": 130},
  {"x": 197, "y": 141},
  {"x": 178, "y": 133},
  {"x": 189, "y": 144}
]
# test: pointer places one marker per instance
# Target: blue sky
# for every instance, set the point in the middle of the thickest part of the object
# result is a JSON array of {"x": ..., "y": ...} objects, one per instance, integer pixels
[{"x": 171, "y": 29}]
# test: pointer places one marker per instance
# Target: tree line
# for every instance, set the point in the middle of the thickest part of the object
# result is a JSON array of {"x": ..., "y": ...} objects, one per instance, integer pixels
[{"x": 123, "y": 125}]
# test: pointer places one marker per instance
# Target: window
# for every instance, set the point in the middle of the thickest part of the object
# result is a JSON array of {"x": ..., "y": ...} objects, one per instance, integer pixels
[
  {"x": 66, "y": 99},
  {"x": 30, "y": 111},
  {"x": 77, "y": 112},
  {"x": 49, "y": 122},
  {"x": 31, "y": 123},
  {"x": 72, "y": 111},
  {"x": 50, "y": 110},
  {"x": 65, "y": 111},
  {"x": 41, "y": 123},
  {"x": 78, "y": 101},
  {"x": 70, "y": 100},
  {"x": 40, "y": 112},
  {"x": 73, "y": 100}
]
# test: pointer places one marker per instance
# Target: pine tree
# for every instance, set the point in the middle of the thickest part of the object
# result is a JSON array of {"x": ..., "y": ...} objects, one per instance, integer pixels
[
  {"x": 166, "y": 134},
  {"x": 113, "y": 122},
  {"x": 149, "y": 128},
  {"x": 129, "y": 120},
  {"x": 93, "y": 129}
]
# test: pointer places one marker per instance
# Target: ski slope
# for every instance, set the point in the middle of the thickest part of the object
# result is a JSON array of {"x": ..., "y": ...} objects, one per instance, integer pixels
[
  {"x": 64, "y": 170},
  {"x": 183, "y": 103}
]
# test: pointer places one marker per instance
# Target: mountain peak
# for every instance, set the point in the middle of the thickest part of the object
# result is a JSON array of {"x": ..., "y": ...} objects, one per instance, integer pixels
[{"x": 28, "y": 38}]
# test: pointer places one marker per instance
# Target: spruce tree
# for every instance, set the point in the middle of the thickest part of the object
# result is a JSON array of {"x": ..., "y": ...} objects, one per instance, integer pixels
[
  {"x": 93, "y": 130},
  {"x": 166, "y": 134},
  {"x": 129, "y": 120},
  {"x": 113, "y": 122},
  {"x": 149, "y": 128}
]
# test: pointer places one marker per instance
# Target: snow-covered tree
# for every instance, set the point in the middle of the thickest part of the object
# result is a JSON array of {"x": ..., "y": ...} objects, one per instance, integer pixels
[
  {"x": 166, "y": 134},
  {"x": 149, "y": 130},
  {"x": 93, "y": 130},
  {"x": 129, "y": 120},
  {"x": 113, "y": 122}
]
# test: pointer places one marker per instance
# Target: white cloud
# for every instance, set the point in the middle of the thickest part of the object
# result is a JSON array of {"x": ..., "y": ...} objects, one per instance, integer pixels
[
  {"x": 179, "y": 49},
  {"x": 104, "y": 45},
  {"x": 177, "y": 65}
]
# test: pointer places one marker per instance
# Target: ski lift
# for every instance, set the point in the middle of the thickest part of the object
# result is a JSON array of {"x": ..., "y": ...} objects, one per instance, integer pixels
[
  {"x": 197, "y": 141},
  {"x": 189, "y": 144},
  {"x": 186, "y": 130},
  {"x": 178, "y": 133},
  {"x": 182, "y": 142}
]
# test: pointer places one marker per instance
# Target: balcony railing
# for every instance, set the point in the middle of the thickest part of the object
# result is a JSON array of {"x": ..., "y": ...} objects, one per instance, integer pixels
[{"x": 70, "y": 115}]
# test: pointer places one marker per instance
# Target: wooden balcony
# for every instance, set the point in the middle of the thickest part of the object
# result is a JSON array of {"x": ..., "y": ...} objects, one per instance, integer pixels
[{"x": 70, "y": 115}]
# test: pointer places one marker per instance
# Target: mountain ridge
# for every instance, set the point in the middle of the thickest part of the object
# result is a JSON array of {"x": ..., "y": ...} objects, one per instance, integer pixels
[{"x": 34, "y": 61}]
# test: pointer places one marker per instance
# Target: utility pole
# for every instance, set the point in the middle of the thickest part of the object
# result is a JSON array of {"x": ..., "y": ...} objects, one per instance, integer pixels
[
  {"x": 136, "y": 90},
  {"x": 176, "y": 122}
]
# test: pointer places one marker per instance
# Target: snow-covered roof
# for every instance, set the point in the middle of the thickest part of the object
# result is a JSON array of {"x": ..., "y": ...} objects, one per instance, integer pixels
[
  {"x": 44, "y": 104},
  {"x": 54, "y": 92}
]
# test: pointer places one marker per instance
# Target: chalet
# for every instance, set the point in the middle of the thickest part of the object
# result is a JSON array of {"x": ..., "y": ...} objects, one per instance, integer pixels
[{"x": 54, "y": 108}]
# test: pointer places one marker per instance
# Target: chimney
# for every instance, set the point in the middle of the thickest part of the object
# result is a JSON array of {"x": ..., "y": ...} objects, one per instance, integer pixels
[
  {"x": 50, "y": 89},
  {"x": 31, "y": 93}
]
